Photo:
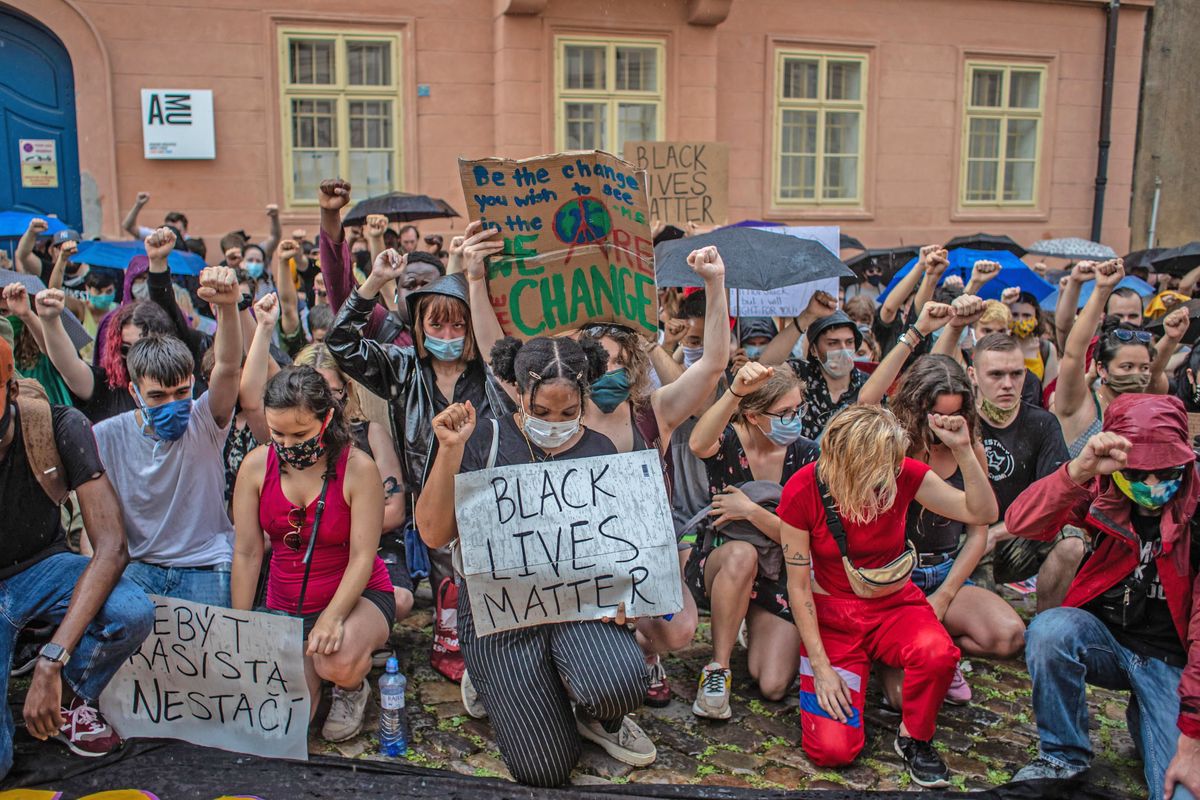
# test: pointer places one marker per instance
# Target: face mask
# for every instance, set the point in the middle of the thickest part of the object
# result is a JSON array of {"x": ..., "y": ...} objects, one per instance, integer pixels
[
  {"x": 875, "y": 280},
  {"x": 838, "y": 363},
  {"x": 141, "y": 291},
  {"x": 753, "y": 351},
  {"x": 445, "y": 349},
  {"x": 254, "y": 269},
  {"x": 1144, "y": 495},
  {"x": 1025, "y": 328},
  {"x": 167, "y": 422},
  {"x": 692, "y": 354},
  {"x": 74, "y": 280},
  {"x": 362, "y": 260},
  {"x": 305, "y": 454},
  {"x": 784, "y": 433},
  {"x": 995, "y": 413},
  {"x": 610, "y": 390},
  {"x": 1134, "y": 382},
  {"x": 548, "y": 435},
  {"x": 103, "y": 302}
]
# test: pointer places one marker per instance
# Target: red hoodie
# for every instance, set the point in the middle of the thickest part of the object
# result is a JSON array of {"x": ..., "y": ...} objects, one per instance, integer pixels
[{"x": 1157, "y": 426}]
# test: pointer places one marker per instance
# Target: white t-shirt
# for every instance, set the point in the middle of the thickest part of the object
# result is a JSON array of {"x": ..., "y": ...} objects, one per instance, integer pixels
[{"x": 172, "y": 494}]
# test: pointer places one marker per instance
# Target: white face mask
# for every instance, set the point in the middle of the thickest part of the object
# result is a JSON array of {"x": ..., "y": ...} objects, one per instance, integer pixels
[
  {"x": 838, "y": 363},
  {"x": 548, "y": 435},
  {"x": 692, "y": 354}
]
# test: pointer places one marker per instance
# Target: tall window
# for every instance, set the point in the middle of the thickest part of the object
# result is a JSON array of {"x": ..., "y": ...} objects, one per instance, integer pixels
[
  {"x": 608, "y": 92},
  {"x": 1003, "y": 131},
  {"x": 820, "y": 113},
  {"x": 340, "y": 97}
]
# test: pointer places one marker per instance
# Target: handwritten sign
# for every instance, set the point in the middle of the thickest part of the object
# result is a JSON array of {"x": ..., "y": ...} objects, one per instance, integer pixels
[
  {"x": 216, "y": 677},
  {"x": 567, "y": 541},
  {"x": 687, "y": 181},
  {"x": 788, "y": 301},
  {"x": 577, "y": 245}
]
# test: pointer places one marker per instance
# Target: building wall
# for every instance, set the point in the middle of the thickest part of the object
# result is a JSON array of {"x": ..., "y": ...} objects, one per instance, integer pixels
[
  {"x": 1167, "y": 133},
  {"x": 490, "y": 78}
]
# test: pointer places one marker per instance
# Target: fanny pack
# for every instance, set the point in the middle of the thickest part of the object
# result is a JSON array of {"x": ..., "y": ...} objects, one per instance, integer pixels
[{"x": 869, "y": 582}]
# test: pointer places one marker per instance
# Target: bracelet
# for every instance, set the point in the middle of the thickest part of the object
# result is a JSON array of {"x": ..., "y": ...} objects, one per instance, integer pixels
[
  {"x": 735, "y": 394},
  {"x": 246, "y": 302},
  {"x": 913, "y": 330}
]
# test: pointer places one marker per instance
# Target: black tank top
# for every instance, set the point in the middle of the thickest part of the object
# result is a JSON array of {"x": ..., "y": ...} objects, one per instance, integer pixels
[{"x": 932, "y": 533}]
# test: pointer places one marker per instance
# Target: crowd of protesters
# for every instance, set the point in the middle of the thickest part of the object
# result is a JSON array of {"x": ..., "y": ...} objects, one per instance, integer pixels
[{"x": 850, "y": 487}]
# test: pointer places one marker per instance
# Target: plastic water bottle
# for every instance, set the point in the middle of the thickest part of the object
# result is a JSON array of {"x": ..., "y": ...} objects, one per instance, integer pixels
[{"x": 393, "y": 719}]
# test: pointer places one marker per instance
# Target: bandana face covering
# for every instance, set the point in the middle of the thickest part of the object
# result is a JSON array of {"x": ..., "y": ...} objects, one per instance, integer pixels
[
  {"x": 1025, "y": 328},
  {"x": 1143, "y": 494},
  {"x": 1131, "y": 382},
  {"x": 305, "y": 454},
  {"x": 995, "y": 413},
  {"x": 610, "y": 390}
]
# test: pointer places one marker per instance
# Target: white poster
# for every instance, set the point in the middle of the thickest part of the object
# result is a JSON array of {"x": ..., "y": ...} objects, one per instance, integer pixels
[
  {"x": 788, "y": 301},
  {"x": 567, "y": 541},
  {"x": 178, "y": 124},
  {"x": 215, "y": 677}
]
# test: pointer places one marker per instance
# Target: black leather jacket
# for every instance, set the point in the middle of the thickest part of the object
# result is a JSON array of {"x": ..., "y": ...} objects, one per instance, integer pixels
[{"x": 406, "y": 381}]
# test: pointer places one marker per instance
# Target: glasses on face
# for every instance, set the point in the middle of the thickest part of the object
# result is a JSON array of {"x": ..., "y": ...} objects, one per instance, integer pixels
[
  {"x": 296, "y": 519},
  {"x": 1163, "y": 475},
  {"x": 1126, "y": 335},
  {"x": 785, "y": 417}
]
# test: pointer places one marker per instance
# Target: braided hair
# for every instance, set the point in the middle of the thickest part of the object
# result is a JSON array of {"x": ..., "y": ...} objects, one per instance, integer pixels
[{"x": 547, "y": 359}]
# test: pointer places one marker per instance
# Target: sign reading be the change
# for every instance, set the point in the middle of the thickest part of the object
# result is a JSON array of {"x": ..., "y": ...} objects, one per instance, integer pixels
[
  {"x": 577, "y": 244},
  {"x": 215, "y": 677},
  {"x": 567, "y": 541}
]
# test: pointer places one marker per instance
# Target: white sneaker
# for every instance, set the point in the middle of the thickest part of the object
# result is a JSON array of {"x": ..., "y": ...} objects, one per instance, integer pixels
[
  {"x": 345, "y": 718},
  {"x": 712, "y": 695},
  {"x": 629, "y": 744},
  {"x": 470, "y": 698}
]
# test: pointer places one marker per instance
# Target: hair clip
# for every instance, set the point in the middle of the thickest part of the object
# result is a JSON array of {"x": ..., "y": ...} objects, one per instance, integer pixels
[{"x": 535, "y": 376}]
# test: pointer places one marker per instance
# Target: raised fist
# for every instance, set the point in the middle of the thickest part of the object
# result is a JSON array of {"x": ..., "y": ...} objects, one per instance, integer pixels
[
  {"x": 334, "y": 194},
  {"x": 272, "y": 210},
  {"x": 143, "y": 198},
  {"x": 49, "y": 303},
  {"x": 706, "y": 262},
  {"x": 38, "y": 226},
  {"x": 219, "y": 286},
  {"x": 160, "y": 243},
  {"x": 376, "y": 226}
]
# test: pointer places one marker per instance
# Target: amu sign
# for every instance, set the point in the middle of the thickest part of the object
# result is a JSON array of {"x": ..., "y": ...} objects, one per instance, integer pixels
[{"x": 178, "y": 124}]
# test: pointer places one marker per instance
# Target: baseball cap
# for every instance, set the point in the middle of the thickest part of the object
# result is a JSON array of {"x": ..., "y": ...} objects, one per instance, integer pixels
[{"x": 66, "y": 235}]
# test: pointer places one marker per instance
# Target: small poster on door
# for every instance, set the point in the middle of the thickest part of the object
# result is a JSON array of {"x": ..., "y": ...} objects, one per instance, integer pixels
[{"x": 39, "y": 163}]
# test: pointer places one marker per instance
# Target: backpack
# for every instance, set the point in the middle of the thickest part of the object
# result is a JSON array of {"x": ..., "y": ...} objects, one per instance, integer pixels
[{"x": 41, "y": 450}]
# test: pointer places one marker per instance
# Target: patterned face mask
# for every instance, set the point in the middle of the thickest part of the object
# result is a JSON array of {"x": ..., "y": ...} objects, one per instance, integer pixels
[
  {"x": 305, "y": 454},
  {"x": 1025, "y": 328},
  {"x": 1145, "y": 495}
]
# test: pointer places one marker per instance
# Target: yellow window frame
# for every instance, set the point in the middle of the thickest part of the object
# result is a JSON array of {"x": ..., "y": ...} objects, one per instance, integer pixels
[
  {"x": 1005, "y": 113},
  {"x": 342, "y": 93},
  {"x": 610, "y": 96},
  {"x": 821, "y": 106}
]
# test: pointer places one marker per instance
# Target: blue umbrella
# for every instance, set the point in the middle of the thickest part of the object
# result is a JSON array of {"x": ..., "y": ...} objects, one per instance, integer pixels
[
  {"x": 117, "y": 255},
  {"x": 1050, "y": 301},
  {"x": 1013, "y": 272},
  {"x": 13, "y": 224}
]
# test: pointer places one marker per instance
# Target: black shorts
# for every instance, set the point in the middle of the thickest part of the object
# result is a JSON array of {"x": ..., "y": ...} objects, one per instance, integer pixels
[
  {"x": 769, "y": 595},
  {"x": 384, "y": 601}
]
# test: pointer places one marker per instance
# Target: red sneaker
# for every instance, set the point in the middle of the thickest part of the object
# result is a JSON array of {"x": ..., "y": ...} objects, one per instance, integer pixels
[
  {"x": 85, "y": 732},
  {"x": 659, "y": 693}
]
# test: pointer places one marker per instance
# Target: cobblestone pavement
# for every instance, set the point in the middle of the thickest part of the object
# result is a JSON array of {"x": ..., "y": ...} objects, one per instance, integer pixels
[{"x": 983, "y": 743}]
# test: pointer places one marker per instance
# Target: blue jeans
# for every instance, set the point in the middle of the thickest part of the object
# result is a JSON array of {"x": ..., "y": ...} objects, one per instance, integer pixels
[
  {"x": 208, "y": 585},
  {"x": 928, "y": 579},
  {"x": 43, "y": 592},
  {"x": 1067, "y": 648}
]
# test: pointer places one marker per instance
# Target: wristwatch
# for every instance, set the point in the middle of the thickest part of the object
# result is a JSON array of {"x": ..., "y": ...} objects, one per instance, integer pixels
[{"x": 55, "y": 652}]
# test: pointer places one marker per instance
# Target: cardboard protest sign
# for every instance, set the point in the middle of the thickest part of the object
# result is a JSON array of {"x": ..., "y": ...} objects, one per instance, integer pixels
[
  {"x": 216, "y": 677},
  {"x": 577, "y": 245},
  {"x": 788, "y": 301},
  {"x": 567, "y": 541},
  {"x": 687, "y": 181}
]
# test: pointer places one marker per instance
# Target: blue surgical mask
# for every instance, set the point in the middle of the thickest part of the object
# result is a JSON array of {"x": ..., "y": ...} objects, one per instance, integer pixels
[
  {"x": 254, "y": 269},
  {"x": 753, "y": 351},
  {"x": 610, "y": 390},
  {"x": 784, "y": 433},
  {"x": 167, "y": 422},
  {"x": 445, "y": 349},
  {"x": 692, "y": 354},
  {"x": 103, "y": 302}
]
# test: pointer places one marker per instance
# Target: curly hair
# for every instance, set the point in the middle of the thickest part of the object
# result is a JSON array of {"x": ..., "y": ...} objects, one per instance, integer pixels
[
  {"x": 634, "y": 353},
  {"x": 304, "y": 387},
  {"x": 547, "y": 359},
  {"x": 148, "y": 317},
  {"x": 927, "y": 379}
]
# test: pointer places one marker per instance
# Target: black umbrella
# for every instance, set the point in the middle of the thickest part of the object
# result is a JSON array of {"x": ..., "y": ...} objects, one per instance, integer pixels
[
  {"x": 754, "y": 259},
  {"x": 986, "y": 241},
  {"x": 33, "y": 284},
  {"x": 848, "y": 242},
  {"x": 1193, "y": 331},
  {"x": 1178, "y": 260},
  {"x": 399, "y": 207},
  {"x": 1142, "y": 258},
  {"x": 889, "y": 259}
]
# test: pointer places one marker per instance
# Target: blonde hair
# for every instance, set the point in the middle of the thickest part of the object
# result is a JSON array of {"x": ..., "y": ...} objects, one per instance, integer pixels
[
  {"x": 318, "y": 357},
  {"x": 995, "y": 313},
  {"x": 861, "y": 454}
]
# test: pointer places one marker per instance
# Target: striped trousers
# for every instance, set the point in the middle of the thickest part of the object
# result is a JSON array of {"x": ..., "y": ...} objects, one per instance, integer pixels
[{"x": 528, "y": 677}]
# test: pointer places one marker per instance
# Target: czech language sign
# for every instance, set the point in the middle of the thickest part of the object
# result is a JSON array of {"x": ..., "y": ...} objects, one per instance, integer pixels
[
  {"x": 39, "y": 163},
  {"x": 216, "y": 677},
  {"x": 567, "y": 541},
  {"x": 178, "y": 124},
  {"x": 577, "y": 244},
  {"x": 686, "y": 181}
]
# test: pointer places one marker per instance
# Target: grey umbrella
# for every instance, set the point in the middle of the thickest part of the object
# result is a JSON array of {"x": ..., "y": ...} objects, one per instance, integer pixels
[
  {"x": 1073, "y": 248},
  {"x": 33, "y": 284},
  {"x": 754, "y": 259}
]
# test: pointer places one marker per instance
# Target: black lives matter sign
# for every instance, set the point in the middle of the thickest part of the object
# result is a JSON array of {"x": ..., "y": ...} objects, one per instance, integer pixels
[{"x": 686, "y": 181}]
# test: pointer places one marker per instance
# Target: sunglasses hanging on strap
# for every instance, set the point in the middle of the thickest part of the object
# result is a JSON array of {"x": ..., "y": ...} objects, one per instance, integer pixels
[{"x": 312, "y": 541}]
